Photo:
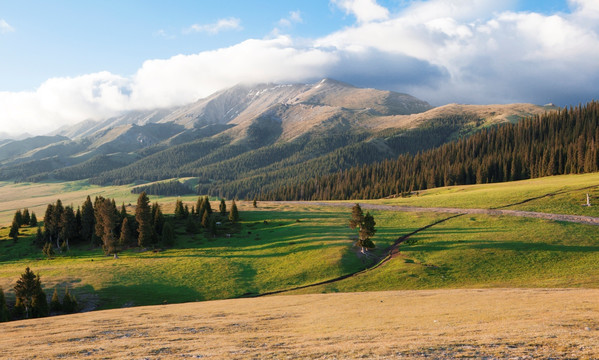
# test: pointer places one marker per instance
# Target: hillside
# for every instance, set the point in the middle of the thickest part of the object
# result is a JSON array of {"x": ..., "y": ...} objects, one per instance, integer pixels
[
  {"x": 438, "y": 324},
  {"x": 251, "y": 134}
]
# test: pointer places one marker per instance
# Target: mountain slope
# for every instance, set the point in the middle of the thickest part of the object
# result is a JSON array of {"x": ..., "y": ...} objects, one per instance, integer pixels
[{"x": 249, "y": 136}]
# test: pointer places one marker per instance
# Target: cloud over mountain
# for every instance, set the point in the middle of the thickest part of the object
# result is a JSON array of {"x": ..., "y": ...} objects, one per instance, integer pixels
[{"x": 439, "y": 50}]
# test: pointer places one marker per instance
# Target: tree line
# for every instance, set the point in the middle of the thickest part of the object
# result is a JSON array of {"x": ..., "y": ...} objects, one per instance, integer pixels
[
  {"x": 563, "y": 142},
  {"x": 164, "y": 188}
]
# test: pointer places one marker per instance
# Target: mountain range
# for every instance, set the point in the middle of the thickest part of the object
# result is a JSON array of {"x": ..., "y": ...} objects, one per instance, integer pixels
[{"x": 250, "y": 135}]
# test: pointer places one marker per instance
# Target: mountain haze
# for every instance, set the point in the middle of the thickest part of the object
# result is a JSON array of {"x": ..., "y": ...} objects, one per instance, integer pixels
[{"x": 248, "y": 136}]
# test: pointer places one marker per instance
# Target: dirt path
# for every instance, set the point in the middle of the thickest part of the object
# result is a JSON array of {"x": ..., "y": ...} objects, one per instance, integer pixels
[{"x": 588, "y": 220}]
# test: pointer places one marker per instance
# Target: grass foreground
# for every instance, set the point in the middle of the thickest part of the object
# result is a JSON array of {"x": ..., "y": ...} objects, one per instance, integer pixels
[{"x": 491, "y": 323}]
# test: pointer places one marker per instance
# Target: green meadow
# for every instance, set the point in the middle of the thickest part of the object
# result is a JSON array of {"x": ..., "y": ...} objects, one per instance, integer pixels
[{"x": 283, "y": 246}]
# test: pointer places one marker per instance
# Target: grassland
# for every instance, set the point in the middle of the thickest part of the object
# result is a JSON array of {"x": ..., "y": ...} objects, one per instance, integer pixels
[
  {"x": 562, "y": 194},
  {"x": 283, "y": 246},
  {"x": 432, "y": 324}
]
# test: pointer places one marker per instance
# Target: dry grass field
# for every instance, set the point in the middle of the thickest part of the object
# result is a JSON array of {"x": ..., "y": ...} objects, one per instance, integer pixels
[{"x": 432, "y": 324}]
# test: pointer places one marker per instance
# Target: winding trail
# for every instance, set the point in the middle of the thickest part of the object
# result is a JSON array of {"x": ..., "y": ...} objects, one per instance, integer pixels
[{"x": 393, "y": 250}]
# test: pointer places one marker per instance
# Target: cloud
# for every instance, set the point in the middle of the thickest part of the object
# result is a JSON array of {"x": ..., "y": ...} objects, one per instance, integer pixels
[
  {"x": 442, "y": 51},
  {"x": 363, "y": 10},
  {"x": 221, "y": 25},
  {"x": 5, "y": 27},
  {"x": 295, "y": 17}
]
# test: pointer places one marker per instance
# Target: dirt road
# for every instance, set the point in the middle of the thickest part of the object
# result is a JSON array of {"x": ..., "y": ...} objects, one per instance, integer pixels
[{"x": 589, "y": 220}]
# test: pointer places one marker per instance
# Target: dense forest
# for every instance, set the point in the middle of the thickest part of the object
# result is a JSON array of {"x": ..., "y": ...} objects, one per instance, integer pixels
[
  {"x": 564, "y": 142},
  {"x": 164, "y": 188}
]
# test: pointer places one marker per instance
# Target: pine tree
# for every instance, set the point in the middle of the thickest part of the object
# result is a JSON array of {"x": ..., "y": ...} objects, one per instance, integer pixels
[
  {"x": 365, "y": 225},
  {"x": 207, "y": 205},
  {"x": 222, "y": 207},
  {"x": 168, "y": 234},
  {"x": 106, "y": 219},
  {"x": 69, "y": 303},
  {"x": 87, "y": 220},
  {"x": 26, "y": 217},
  {"x": 179, "y": 210},
  {"x": 126, "y": 238},
  {"x": 144, "y": 221},
  {"x": 55, "y": 305},
  {"x": 39, "y": 304},
  {"x": 18, "y": 217},
  {"x": 205, "y": 219},
  {"x": 68, "y": 226},
  {"x": 158, "y": 219},
  {"x": 18, "y": 311},
  {"x": 33, "y": 220},
  {"x": 14, "y": 230},
  {"x": 4, "y": 313},
  {"x": 255, "y": 203},
  {"x": 234, "y": 214},
  {"x": 27, "y": 289}
]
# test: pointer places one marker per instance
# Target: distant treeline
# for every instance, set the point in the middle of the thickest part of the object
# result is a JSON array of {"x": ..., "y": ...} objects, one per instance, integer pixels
[
  {"x": 564, "y": 142},
  {"x": 165, "y": 188}
]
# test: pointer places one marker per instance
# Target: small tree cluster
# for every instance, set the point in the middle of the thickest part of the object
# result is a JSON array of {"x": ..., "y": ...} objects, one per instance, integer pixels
[{"x": 68, "y": 305}]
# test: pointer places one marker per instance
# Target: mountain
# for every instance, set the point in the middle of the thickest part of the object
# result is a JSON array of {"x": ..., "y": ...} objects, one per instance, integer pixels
[{"x": 250, "y": 136}]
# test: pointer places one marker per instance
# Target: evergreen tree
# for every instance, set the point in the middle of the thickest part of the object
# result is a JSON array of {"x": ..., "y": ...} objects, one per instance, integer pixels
[
  {"x": 222, "y": 207},
  {"x": 234, "y": 214},
  {"x": 212, "y": 226},
  {"x": 68, "y": 226},
  {"x": 205, "y": 219},
  {"x": 87, "y": 220},
  {"x": 55, "y": 305},
  {"x": 207, "y": 205},
  {"x": 28, "y": 292},
  {"x": 158, "y": 219},
  {"x": 365, "y": 225},
  {"x": 144, "y": 221},
  {"x": 39, "y": 303},
  {"x": 255, "y": 203},
  {"x": 126, "y": 238},
  {"x": 18, "y": 217},
  {"x": 106, "y": 220},
  {"x": 26, "y": 217},
  {"x": 179, "y": 210},
  {"x": 14, "y": 229},
  {"x": 4, "y": 313},
  {"x": 33, "y": 219},
  {"x": 56, "y": 216},
  {"x": 168, "y": 234},
  {"x": 69, "y": 303}
]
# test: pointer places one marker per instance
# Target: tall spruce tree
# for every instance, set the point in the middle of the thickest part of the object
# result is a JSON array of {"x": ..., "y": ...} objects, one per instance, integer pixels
[
  {"x": 144, "y": 221},
  {"x": 33, "y": 220},
  {"x": 222, "y": 207},
  {"x": 234, "y": 213},
  {"x": 26, "y": 217},
  {"x": 14, "y": 229},
  {"x": 87, "y": 220},
  {"x": 68, "y": 226},
  {"x": 27, "y": 292},
  {"x": 365, "y": 225},
  {"x": 126, "y": 238},
  {"x": 106, "y": 221}
]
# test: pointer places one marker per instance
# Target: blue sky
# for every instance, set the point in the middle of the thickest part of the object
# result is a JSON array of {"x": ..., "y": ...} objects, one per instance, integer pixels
[{"x": 65, "y": 61}]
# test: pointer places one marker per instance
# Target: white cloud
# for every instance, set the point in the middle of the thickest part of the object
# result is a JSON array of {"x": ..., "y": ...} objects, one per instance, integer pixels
[
  {"x": 363, "y": 10},
  {"x": 295, "y": 17},
  {"x": 440, "y": 50},
  {"x": 5, "y": 27},
  {"x": 221, "y": 25}
]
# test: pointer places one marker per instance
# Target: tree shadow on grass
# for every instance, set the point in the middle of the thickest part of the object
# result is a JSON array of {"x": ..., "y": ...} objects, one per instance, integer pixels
[
  {"x": 497, "y": 245},
  {"x": 150, "y": 293}
]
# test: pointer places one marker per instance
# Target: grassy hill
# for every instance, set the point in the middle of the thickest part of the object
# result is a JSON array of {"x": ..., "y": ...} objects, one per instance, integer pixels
[{"x": 283, "y": 246}]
